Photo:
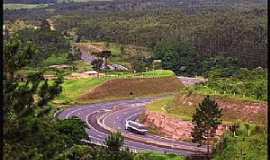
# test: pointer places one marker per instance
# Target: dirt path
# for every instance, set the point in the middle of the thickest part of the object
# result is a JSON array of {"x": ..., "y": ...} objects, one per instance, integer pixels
[{"x": 188, "y": 81}]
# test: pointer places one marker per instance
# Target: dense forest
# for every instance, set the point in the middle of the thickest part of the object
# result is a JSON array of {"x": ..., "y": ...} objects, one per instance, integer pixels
[
  {"x": 241, "y": 34},
  {"x": 30, "y": 1},
  {"x": 87, "y": 7}
]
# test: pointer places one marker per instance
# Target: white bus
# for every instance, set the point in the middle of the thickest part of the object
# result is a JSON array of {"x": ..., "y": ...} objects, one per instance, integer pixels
[{"x": 135, "y": 127}]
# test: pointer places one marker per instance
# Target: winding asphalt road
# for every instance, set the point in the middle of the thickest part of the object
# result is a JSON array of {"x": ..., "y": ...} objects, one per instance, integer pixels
[{"x": 103, "y": 118}]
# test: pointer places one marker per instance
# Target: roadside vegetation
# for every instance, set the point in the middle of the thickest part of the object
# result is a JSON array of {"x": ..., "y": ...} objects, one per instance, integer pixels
[
  {"x": 30, "y": 132},
  {"x": 249, "y": 142},
  {"x": 246, "y": 140},
  {"x": 157, "y": 156},
  {"x": 240, "y": 83}
]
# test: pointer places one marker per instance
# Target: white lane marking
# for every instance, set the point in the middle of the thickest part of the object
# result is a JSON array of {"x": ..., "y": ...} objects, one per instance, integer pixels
[
  {"x": 87, "y": 117},
  {"x": 152, "y": 137},
  {"x": 80, "y": 109},
  {"x": 74, "y": 111},
  {"x": 133, "y": 115},
  {"x": 99, "y": 139},
  {"x": 113, "y": 113},
  {"x": 69, "y": 113}
]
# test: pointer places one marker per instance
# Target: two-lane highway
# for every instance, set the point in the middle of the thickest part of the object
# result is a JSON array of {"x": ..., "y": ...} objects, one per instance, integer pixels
[{"x": 103, "y": 117}]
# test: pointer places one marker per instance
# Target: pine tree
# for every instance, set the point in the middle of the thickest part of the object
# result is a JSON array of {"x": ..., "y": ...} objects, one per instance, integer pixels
[
  {"x": 206, "y": 120},
  {"x": 30, "y": 132},
  {"x": 114, "y": 141}
]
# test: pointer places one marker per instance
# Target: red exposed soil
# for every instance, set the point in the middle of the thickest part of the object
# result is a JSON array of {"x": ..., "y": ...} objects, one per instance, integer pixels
[
  {"x": 172, "y": 127},
  {"x": 134, "y": 88},
  {"x": 233, "y": 110}
]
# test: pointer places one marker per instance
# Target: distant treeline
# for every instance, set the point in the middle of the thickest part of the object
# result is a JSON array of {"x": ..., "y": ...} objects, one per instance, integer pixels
[
  {"x": 190, "y": 7},
  {"x": 232, "y": 33},
  {"x": 213, "y": 31},
  {"x": 30, "y": 1}
]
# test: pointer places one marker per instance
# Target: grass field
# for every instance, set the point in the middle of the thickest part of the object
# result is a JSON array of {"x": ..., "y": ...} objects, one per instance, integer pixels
[
  {"x": 53, "y": 59},
  {"x": 14, "y": 6},
  {"x": 73, "y": 89},
  {"x": 82, "y": 66}
]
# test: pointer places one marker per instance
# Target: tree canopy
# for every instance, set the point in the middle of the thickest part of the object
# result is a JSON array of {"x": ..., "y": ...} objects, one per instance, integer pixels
[
  {"x": 30, "y": 132},
  {"x": 206, "y": 120}
]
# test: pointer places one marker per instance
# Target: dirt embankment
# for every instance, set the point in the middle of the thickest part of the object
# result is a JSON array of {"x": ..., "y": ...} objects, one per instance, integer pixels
[
  {"x": 233, "y": 110},
  {"x": 172, "y": 127},
  {"x": 136, "y": 87}
]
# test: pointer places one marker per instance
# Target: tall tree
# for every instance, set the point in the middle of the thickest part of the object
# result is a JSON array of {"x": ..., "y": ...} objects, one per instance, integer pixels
[
  {"x": 97, "y": 64},
  {"x": 103, "y": 55},
  {"x": 206, "y": 120},
  {"x": 29, "y": 133},
  {"x": 106, "y": 55},
  {"x": 114, "y": 141}
]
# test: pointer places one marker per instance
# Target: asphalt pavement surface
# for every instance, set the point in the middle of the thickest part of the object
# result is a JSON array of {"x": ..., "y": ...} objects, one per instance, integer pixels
[{"x": 114, "y": 114}]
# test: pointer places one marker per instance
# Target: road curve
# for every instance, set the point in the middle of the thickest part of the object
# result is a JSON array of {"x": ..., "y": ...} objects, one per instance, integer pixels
[{"x": 102, "y": 118}]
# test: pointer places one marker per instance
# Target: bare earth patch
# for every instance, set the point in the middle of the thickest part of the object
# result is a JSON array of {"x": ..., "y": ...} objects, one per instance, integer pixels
[
  {"x": 185, "y": 105},
  {"x": 172, "y": 127},
  {"x": 134, "y": 87}
]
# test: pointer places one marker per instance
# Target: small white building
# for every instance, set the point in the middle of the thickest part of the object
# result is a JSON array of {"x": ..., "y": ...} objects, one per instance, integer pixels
[
  {"x": 91, "y": 73},
  {"x": 62, "y": 66}
]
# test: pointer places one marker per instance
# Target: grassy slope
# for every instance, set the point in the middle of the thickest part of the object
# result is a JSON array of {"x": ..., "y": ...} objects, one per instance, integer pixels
[
  {"x": 163, "y": 106},
  {"x": 134, "y": 87},
  {"x": 183, "y": 106},
  {"x": 74, "y": 89}
]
